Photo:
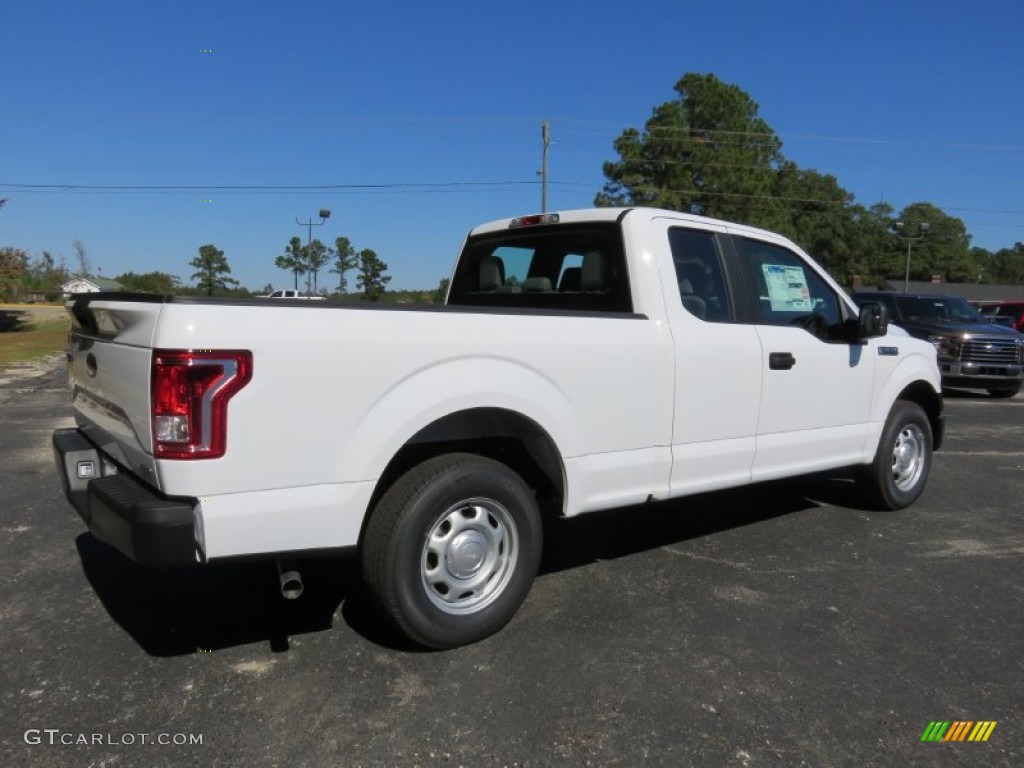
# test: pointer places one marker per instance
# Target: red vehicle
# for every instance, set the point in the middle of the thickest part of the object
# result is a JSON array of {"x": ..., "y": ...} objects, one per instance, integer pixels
[{"x": 1014, "y": 310}]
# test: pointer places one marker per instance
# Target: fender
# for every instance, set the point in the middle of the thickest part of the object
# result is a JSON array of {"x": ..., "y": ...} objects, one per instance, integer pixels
[
  {"x": 914, "y": 366},
  {"x": 470, "y": 382}
]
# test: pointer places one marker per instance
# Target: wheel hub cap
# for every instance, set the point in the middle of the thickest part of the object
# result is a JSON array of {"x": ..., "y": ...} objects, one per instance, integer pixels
[
  {"x": 908, "y": 458},
  {"x": 466, "y": 554},
  {"x": 469, "y": 556}
]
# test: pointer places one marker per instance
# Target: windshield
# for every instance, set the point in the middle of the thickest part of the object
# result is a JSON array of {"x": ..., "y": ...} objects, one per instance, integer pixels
[{"x": 941, "y": 308}]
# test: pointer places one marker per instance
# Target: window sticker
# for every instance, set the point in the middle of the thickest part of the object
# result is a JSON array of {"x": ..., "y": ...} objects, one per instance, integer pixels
[{"x": 787, "y": 288}]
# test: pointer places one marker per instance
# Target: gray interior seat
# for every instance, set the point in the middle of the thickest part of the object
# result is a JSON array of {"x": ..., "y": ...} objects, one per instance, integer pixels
[
  {"x": 693, "y": 303},
  {"x": 592, "y": 272},
  {"x": 537, "y": 285},
  {"x": 491, "y": 278}
]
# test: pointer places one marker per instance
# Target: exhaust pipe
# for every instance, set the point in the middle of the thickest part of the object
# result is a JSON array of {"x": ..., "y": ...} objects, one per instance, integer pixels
[{"x": 291, "y": 582}]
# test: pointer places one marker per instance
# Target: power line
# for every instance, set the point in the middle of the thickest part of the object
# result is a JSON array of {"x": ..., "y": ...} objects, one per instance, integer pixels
[
  {"x": 262, "y": 187},
  {"x": 454, "y": 186},
  {"x": 689, "y": 130},
  {"x": 565, "y": 126}
]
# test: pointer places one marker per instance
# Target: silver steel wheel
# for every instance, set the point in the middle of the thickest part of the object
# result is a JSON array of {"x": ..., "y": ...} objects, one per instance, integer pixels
[
  {"x": 469, "y": 556},
  {"x": 908, "y": 457}
]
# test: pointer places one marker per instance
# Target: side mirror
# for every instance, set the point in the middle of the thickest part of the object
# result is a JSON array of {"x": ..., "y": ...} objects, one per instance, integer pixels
[{"x": 873, "y": 320}]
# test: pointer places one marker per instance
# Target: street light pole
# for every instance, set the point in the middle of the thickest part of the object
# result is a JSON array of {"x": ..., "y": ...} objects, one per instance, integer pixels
[
  {"x": 324, "y": 216},
  {"x": 900, "y": 227}
]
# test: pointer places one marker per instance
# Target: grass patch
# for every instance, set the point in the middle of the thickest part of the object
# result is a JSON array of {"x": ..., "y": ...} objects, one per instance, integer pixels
[{"x": 30, "y": 339}]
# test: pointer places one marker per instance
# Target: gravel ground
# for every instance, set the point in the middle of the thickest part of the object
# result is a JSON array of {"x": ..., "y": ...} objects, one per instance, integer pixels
[{"x": 775, "y": 626}]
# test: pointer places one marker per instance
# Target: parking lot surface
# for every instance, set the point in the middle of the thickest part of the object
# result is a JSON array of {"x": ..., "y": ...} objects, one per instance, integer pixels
[{"x": 780, "y": 625}]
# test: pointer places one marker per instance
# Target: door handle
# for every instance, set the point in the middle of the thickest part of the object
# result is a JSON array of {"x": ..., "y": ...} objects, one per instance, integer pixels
[{"x": 781, "y": 361}]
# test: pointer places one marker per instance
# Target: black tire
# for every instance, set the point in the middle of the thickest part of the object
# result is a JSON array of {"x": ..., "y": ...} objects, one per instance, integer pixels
[
  {"x": 451, "y": 549},
  {"x": 1005, "y": 391},
  {"x": 899, "y": 473}
]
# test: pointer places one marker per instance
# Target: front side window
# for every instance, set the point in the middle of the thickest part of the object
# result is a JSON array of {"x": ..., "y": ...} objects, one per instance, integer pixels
[{"x": 788, "y": 291}]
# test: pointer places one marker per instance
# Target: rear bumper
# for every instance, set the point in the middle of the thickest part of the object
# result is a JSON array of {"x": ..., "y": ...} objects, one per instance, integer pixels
[{"x": 144, "y": 525}]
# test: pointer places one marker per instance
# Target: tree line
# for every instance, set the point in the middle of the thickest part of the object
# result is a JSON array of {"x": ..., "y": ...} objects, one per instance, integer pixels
[
  {"x": 708, "y": 151},
  {"x": 212, "y": 275},
  {"x": 39, "y": 278},
  {"x": 43, "y": 277},
  {"x": 212, "y": 269},
  {"x": 310, "y": 260},
  {"x": 21, "y": 276}
]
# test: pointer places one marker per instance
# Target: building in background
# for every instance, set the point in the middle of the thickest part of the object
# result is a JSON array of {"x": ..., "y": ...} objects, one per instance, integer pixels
[{"x": 88, "y": 284}]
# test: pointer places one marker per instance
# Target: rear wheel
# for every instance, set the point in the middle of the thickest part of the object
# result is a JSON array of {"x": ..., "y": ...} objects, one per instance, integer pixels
[
  {"x": 451, "y": 549},
  {"x": 903, "y": 460},
  {"x": 1004, "y": 391}
]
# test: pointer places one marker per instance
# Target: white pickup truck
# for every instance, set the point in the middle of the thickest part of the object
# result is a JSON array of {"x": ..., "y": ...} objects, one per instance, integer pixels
[
  {"x": 584, "y": 360},
  {"x": 291, "y": 293}
]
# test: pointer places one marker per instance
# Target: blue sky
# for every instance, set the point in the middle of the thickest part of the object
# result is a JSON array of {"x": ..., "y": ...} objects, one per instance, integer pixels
[{"x": 901, "y": 101}]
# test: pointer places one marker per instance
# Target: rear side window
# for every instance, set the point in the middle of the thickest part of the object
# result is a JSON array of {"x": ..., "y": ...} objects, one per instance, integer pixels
[
  {"x": 702, "y": 288},
  {"x": 787, "y": 290},
  {"x": 562, "y": 267}
]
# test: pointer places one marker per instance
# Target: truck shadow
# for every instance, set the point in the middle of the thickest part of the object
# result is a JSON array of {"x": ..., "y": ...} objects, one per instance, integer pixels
[
  {"x": 967, "y": 394},
  {"x": 573, "y": 542},
  {"x": 12, "y": 320},
  {"x": 176, "y": 611},
  {"x": 179, "y": 611}
]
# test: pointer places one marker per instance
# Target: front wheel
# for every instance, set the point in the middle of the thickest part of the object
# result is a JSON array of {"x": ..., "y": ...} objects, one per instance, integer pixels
[
  {"x": 903, "y": 460},
  {"x": 451, "y": 549}
]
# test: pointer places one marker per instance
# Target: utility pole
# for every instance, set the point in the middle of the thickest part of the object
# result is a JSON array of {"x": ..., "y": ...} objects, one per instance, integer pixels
[
  {"x": 903, "y": 232},
  {"x": 545, "y": 134}
]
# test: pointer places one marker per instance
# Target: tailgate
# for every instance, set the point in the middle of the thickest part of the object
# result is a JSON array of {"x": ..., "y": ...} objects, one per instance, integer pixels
[{"x": 109, "y": 360}]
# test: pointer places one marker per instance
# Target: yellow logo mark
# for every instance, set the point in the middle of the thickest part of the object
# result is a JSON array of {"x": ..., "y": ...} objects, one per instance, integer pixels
[{"x": 958, "y": 730}]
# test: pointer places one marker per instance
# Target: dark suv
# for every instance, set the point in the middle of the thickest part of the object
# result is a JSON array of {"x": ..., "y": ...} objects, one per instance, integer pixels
[{"x": 973, "y": 352}]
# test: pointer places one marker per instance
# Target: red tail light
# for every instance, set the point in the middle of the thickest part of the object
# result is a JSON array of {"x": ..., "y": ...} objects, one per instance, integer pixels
[{"x": 189, "y": 394}]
